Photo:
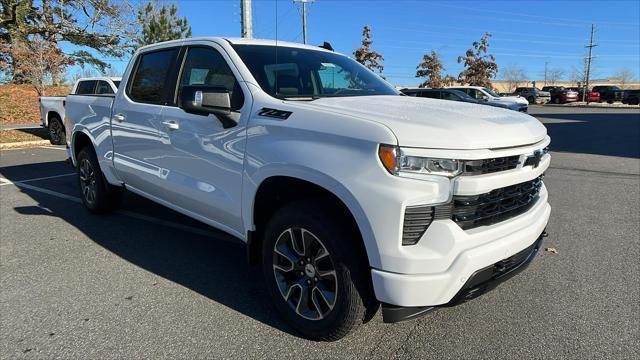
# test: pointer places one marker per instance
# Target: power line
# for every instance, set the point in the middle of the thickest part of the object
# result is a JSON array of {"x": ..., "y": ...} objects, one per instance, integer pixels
[{"x": 304, "y": 17}]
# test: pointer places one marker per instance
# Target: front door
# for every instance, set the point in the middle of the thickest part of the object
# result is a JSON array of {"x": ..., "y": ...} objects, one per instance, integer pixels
[{"x": 204, "y": 160}]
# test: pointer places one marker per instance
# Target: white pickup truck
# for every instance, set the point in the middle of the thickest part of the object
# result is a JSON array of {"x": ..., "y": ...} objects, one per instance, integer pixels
[
  {"x": 349, "y": 195},
  {"x": 52, "y": 107}
]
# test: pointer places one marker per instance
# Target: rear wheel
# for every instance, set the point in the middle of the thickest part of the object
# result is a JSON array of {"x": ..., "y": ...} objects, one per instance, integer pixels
[
  {"x": 315, "y": 274},
  {"x": 56, "y": 131},
  {"x": 531, "y": 100},
  {"x": 97, "y": 194},
  {"x": 556, "y": 100}
]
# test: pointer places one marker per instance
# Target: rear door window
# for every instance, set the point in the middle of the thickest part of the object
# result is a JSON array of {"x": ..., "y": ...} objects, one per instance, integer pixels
[
  {"x": 150, "y": 81},
  {"x": 86, "y": 87},
  {"x": 430, "y": 94},
  {"x": 450, "y": 96}
]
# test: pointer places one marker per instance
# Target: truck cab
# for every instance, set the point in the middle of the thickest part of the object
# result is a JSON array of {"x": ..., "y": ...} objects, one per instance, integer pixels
[{"x": 348, "y": 195}]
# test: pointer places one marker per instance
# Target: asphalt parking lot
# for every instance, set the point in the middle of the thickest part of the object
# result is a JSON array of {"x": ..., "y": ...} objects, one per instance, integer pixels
[{"x": 149, "y": 283}]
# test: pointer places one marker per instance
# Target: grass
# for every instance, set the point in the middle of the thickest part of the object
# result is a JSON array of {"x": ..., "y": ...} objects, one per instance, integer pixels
[{"x": 9, "y": 136}]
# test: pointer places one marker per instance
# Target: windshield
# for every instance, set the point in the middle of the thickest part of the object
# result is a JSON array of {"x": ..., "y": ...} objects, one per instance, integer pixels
[
  {"x": 490, "y": 92},
  {"x": 305, "y": 73}
]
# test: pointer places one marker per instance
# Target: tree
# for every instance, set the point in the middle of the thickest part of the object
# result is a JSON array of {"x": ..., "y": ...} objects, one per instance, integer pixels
[
  {"x": 554, "y": 75},
  {"x": 99, "y": 28},
  {"x": 479, "y": 65},
  {"x": 624, "y": 76},
  {"x": 432, "y": 68},
  {"x": 514, "y": 75},
  {"x": 367, "y": 57},
  {"x": 161, "y": 24},
  {"x": 38, "y": 61}
]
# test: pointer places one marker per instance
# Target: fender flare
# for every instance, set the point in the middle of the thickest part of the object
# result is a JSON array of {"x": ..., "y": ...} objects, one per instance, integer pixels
[{"x": 252, "y": 184}]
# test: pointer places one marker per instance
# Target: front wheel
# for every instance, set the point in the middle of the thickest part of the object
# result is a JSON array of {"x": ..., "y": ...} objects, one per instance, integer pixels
[
  {"x": 98, "y": 196},
  {"x": 315, "y": 273},
  {"x": 531, "y": 100}
]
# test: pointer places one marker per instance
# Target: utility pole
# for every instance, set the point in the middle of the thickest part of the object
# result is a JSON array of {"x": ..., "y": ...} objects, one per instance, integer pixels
[
  {"x": 245, "y": 21},
  {"x": 589, "y": 58},
  {"x": 304, "y": 17},
  {"x": 545, "y": 72}
]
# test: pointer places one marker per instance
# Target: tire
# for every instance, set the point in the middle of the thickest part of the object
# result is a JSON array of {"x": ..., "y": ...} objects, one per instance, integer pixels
[
  {"x": 531, "y": 100},
  {"x": 556, "y": 100},
  {"x": 318, "y": 305},
  {"x": 98, "y": 196},
  {"x": 56, "y": 131}
]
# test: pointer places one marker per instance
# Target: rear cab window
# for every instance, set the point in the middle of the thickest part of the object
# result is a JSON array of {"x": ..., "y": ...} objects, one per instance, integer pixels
[{"x": 85, "y": 87}]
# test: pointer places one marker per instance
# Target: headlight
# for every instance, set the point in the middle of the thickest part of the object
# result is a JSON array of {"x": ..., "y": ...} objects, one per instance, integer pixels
[{"x": 397, "y": 163}]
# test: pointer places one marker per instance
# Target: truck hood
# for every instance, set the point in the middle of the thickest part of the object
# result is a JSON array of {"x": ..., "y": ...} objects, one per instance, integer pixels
[{"x": 440, "y": 124}]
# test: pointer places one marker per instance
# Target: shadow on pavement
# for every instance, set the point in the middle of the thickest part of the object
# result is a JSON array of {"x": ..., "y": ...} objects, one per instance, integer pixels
[
  {"x": 214, "y": 267},
  {"x": 613, "y": 134}
]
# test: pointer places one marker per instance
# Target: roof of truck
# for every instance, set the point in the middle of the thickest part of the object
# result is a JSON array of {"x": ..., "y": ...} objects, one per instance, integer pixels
[{"x": 240, "y": 41}]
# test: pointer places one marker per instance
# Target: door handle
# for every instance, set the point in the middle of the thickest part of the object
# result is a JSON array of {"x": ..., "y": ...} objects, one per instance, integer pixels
[
  {"x": 171, "y": 125},
  {"x": 118, "y": 117}
]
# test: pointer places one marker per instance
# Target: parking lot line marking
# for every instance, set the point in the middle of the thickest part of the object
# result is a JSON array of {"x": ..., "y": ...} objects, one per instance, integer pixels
[
  {"x": 127, "y": 213},
  {"x": 9, "y": 182}
]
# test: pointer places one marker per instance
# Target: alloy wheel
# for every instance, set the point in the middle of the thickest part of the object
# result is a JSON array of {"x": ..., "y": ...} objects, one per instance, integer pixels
[
  {"x": 305, "y": 274},
  {"x": 87, "y": 181},
  {"x": 55, "y": 131}
]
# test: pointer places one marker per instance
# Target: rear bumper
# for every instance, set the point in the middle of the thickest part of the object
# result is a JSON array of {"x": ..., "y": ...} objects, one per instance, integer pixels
[{"x": 480, "y": 282}]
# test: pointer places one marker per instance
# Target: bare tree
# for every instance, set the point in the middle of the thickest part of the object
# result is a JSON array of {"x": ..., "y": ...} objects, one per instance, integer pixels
[
  {"x": 367, "y": 57},
  {"x": 514, "y": 75},
  {"x": 554, "y": 75},
  {"x": 624, "y": 76},
  {"x": 39, "y": 62},
  {"x": 112, "y": 72}
]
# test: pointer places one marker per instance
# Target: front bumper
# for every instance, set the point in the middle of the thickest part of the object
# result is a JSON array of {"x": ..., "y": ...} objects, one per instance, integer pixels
[{"x": 482, "y": 281}]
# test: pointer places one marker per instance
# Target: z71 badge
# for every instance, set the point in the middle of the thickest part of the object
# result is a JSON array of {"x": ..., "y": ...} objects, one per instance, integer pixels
[{"x": 275, "y": 113}]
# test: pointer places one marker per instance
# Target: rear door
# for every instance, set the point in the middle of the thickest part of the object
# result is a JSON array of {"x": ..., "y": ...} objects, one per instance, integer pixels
[
  {"x": 203, "y": 160},
  {"x": 136, "y": 120}
]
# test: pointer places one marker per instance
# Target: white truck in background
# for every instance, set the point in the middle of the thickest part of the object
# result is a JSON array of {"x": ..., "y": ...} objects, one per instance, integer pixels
[
  {"x": 349, "y": 195},
  {"x": 52, "y": 108}
]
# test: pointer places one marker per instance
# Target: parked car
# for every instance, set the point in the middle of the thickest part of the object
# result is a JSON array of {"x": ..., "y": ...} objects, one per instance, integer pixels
[
  {"x": 348, "y": 194},
  {"x": 451, "y": 95},
  {"x": 591, "y": 96},
  {"x": 52, "y": 112},
  {"x": 609, "y": 93},
  {"x": 533, "y": 95},
  {"x": 516, "y": 103},
  {"x": 561, "y": 94},
  {"x": 631, "y": 97}
]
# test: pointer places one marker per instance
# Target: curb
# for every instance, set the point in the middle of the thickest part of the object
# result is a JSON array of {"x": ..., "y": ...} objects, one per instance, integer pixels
[
  {"x": 601, "y": 106},
  {"x": 24, "y": 144}
]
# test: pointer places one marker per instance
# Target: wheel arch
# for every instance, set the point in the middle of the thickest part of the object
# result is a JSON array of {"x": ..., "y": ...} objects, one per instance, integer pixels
[{"x": 275, "y": 189}]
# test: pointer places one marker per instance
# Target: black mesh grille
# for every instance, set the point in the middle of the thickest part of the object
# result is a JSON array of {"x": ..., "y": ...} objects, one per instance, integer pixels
[
  {"x": 486, "y": 166},
  {"x": 495, "y": 206},
  {"x": 416, "y": 221}
]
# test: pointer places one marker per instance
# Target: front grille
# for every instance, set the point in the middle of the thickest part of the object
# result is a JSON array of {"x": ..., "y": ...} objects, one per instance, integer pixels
[
  {"x": 487, "y": 166},
  {"x": 495, "y": 206}
]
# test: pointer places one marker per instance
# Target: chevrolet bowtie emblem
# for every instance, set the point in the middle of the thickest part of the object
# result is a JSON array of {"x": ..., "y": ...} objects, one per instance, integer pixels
[{"x": 534, "y": 160}]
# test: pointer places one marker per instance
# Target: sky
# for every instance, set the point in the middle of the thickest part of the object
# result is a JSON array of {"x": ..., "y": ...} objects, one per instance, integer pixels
[{"x": 527, "y": 34}]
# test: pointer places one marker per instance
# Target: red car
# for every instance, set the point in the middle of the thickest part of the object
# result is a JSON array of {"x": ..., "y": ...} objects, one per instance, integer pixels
[
  {"x": 592, "y": 96},
  {"x": 561, "y": 94}
]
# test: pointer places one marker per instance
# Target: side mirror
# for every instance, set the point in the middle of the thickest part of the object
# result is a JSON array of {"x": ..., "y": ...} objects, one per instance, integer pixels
[{"x": 204, "y": 100}]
